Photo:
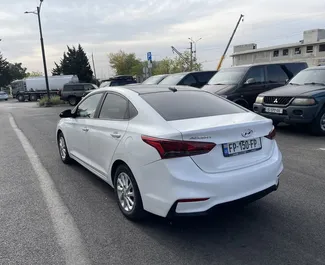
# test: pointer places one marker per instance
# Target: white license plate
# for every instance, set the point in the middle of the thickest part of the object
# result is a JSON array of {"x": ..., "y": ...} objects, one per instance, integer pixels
[
  {"x": 242, "y": 147},
  {"x": 274, "y": 110}
]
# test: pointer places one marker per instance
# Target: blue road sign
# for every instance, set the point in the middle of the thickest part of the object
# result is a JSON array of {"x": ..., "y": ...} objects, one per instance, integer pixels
[{"x": 149, "y": 57}]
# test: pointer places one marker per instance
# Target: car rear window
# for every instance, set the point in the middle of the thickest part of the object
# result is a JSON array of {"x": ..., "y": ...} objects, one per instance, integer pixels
[{"x": 183, "y": 105}]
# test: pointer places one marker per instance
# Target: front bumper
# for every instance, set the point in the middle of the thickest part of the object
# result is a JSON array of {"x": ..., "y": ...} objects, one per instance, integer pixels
[
  {"x": 291, "y": 114},
  {"x": 163, "y": 183}
]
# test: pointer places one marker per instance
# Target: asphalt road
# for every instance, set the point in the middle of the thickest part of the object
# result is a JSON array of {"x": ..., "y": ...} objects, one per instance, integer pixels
[{"x": 286, "y": 227}]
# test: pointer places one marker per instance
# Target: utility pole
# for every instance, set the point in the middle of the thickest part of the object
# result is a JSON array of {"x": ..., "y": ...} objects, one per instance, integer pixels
[
  {"x": 92, "y": 58},
  {"x": 191, "y": 54},
  {"x": 38, "y": 13},
  {"x": 241, "y": 18},
  {"x": 195, "y": 54}
]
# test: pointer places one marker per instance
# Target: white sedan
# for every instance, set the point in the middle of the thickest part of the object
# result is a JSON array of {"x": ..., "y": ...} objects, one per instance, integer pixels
[{"x": 171, "y": 150}]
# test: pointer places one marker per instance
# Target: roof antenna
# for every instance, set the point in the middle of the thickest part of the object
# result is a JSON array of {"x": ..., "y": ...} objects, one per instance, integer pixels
[{"x": 173, "y": 89}]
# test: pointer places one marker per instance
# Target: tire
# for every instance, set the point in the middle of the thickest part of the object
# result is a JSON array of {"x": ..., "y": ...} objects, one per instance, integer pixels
[
  {"x": 123, "y": 177},
  {"x": 6, "y": 99},
  {"x": 21, "y": 98},
  {"x": 63, "y": 149},
  {"x": 318, "y": 125},
  {"x": 275, "y": 123},
  {"x": 32, "y": 98},
  {"x": 72, "y": 101}
]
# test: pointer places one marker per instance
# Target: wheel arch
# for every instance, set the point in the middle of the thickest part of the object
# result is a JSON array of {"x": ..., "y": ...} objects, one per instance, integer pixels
[{"x": 239, "y": 100}]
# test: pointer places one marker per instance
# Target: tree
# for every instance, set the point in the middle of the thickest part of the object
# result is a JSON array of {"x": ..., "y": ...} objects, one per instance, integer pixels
[
  {"x": 34, "y": 74},
  {"x": 176, "y": 65},
  {"x": 125, "y": 63},
  {"x": 10, "y": 71},
  {"x": 74, "y": 62}
]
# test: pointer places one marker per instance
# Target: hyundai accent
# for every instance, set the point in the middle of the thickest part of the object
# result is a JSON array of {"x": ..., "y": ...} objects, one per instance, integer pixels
[{"x": 171, "y": 150}]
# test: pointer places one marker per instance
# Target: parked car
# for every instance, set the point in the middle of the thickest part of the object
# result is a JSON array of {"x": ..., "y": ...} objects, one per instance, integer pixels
[
  {"x": 120, "y": 80},
  {"x": 242, "y": 84},
  {"x": 3, "y": 95},
  {"x": 73, "y": 92},
  {"x": 302, "y": 100},
  {"x": 154, "y": 80},
  {"x": 194, "y": 79},
  {"x": 171, "y": 150}
]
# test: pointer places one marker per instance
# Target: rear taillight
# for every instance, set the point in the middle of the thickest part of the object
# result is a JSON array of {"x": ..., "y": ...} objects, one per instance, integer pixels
[
  {"x": 272, "y": 134},
  {"x": 177, "y": 148}
]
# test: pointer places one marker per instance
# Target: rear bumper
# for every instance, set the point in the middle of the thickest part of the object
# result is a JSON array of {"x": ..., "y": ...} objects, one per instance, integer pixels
[
  {"x": 291, "y": 114},
  {"x": 242, "y": 201},
  {"x": 163, "y": 183}
]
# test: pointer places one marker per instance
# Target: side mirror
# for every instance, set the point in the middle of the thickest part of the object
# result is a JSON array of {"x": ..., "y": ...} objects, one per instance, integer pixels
[
  {"x": 250, "y": 81},
  {"x": 66, "y": 114}
]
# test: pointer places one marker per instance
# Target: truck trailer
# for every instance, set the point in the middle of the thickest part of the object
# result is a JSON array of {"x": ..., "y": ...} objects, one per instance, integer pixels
[{"x": 34, "y": 88}]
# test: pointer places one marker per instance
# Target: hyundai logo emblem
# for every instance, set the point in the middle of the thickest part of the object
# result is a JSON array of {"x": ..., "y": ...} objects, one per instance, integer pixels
[{"x": 247, "y": 133}]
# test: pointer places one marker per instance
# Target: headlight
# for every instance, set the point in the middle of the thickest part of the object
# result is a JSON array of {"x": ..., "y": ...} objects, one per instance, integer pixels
[
  {"x": 259, "y": 99},
  {"x": 303, "y": 101}
]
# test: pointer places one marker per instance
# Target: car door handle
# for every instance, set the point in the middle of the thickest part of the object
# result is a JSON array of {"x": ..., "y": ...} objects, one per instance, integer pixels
[
  {"x": 115, "y": 135},
  {"x": 85, "y": 129}
]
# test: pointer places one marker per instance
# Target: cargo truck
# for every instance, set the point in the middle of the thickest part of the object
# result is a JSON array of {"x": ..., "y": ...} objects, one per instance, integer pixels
[{"x": 34, "y": 88}]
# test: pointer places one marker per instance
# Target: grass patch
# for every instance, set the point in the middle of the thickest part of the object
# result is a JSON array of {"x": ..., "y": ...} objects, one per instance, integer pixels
[{"x": 54, "y": 100}]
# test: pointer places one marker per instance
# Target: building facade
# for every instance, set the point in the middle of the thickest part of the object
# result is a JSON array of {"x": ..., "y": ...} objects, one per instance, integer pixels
[{"x": 310, "y": 50}]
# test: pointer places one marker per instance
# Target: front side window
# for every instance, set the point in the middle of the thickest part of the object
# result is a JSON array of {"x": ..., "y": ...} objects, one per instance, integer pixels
[
  {"x": 189, "y": 80},
  {"x": 257, "y": 73},
  {"x": 88, "y": 107},
  {"x": 115, "y": 107}
]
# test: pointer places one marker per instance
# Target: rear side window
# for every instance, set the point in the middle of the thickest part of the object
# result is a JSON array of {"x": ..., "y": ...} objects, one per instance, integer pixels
[
  {"x": 183, "y": 105},
  {"x": 114, "y": 107},
  {"x": 294, "y": 68}
]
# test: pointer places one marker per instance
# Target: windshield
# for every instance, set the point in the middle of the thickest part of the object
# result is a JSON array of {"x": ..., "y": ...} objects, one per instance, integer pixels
[
  {"x": 106, "y": 83},
  {"x": 172, "y": 79},
  {"x": 153, "y": 80},
  {"x": 311, "y": 76},
  {"x": 228, "y": 76}
]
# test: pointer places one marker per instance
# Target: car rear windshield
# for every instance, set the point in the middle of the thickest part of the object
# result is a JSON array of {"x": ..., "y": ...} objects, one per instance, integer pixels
[
  {"x": 153, "y": 80},
  {"x": 183, "y": 105}
]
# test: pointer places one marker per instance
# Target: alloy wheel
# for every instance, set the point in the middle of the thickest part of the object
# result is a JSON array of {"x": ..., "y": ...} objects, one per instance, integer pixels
[
  {"x": 322, "y": 122},
  {"x": 125, "y": 192},
  {"x": 63, "y": 148}
]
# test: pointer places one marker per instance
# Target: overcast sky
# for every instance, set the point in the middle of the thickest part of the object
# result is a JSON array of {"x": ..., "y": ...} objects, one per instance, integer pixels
[{"x": 104, "y": 26}]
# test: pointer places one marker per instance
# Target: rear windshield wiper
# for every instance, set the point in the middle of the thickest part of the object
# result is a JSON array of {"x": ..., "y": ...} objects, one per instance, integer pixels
[{"x": 315, "y": 83}]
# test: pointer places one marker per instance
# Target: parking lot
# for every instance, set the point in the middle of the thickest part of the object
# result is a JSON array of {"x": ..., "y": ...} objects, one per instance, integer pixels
[{"x": 286, "y": 227}]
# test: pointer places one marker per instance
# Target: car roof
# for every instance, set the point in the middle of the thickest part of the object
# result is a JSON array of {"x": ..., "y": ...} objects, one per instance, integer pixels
[
  {"x": 72, "y": 84},
  {"x": 321, "y": 67},
  {"x": 262, "y": 64},
  {"x": 146, "y": 89}
]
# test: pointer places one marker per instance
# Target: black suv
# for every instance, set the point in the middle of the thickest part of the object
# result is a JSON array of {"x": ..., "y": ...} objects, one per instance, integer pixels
[
  {"x": 302, "y": 100},
  {"x": 73, "y": 92},
  {"x": 195, "y": 79},
  {"x": 120, "y": 80},
  {"x": 242, "y": 84}
]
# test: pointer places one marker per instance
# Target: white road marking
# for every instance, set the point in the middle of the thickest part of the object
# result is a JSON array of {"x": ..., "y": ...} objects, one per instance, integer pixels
[{"x": 68, "y": 235}]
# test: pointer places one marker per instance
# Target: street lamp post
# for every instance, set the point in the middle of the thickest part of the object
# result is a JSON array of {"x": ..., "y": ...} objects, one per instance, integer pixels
[
  {"x": 38, "y": 13},
  {"x": 195, "y": 46}
]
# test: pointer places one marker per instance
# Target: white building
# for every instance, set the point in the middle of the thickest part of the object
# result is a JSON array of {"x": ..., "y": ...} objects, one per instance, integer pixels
[{"x": 310, "y": 50}]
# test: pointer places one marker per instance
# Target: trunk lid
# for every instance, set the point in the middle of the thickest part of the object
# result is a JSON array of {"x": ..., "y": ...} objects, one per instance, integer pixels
[{"x": 224, "y": 129}]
